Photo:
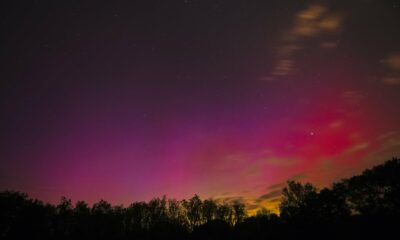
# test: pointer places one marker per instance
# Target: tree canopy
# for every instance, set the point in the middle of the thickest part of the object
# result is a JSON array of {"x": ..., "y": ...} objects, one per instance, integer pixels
[{"x": 362, "y": 207}]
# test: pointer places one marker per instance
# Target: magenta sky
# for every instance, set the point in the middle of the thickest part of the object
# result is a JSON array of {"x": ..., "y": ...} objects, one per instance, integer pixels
[{"x": 225, "y": 99}]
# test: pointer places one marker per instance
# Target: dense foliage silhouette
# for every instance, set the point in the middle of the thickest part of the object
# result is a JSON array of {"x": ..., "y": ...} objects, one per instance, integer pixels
[{"x": 361, "y": 207}]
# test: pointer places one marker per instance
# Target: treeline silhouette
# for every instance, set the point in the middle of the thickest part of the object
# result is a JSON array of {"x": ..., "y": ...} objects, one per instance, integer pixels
[{"x": 361, "y": 207}]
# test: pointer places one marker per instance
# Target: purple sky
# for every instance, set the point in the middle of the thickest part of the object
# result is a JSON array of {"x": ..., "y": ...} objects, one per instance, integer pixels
[{"x": 225, "y": 99}]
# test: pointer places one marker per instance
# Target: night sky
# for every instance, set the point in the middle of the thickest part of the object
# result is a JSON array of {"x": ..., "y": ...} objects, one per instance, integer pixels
[{"x": 130, "y": 100}]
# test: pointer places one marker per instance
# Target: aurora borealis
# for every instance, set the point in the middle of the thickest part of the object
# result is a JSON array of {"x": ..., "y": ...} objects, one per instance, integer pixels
[{"x": 127, "y": 101}]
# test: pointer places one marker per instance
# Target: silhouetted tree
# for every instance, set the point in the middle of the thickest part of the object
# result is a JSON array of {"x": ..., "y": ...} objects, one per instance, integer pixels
[
  {"x": 81, "y": 214},
  {"x": 298, "y": 201},
  {"x": 64, "y": 219},
  {"x": 136, "y": 220},
  {"x": 366, "y": 206},
  {"x": 375, "y": 191},
  {"x": 209, "y": 209},
  {"x": 106, "y": 221},
  {"x": 176, "y": 213},
  {"x": 239, "y": 211},
  {"x": 193, "y": 208},
  {"x": 225, "y": 213},
  {"x": 23, "y": 218}
]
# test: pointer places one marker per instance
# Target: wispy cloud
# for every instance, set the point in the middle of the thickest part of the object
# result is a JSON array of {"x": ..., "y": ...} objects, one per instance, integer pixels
[
  {"x": 283, "y": 162},
  {"x": 392, "y": 64},
  {"x": 277, "y": 186},
  {"x": 297, "y": 177},
  {"x": 270, "y": 195},
  {"x": 310, "y": 23}
]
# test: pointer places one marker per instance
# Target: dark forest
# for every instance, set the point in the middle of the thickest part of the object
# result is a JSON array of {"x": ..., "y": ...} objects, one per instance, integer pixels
[{"x": 366, "y": 206}]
